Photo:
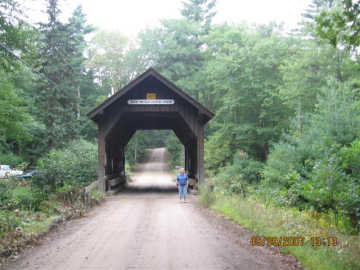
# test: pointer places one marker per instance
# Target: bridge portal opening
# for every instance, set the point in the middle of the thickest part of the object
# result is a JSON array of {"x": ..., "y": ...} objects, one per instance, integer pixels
[
  {"x": 141, "y": 143},
  {"x": 149, "y": 102}
]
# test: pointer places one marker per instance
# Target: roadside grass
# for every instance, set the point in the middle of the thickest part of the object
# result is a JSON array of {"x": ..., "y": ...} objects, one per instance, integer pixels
[
  {"x": 20, "y": 228},
  {"x": 272, "y": 221},
  {"x": 42, "y": 226},
  {"x": 25, "y": 227}
]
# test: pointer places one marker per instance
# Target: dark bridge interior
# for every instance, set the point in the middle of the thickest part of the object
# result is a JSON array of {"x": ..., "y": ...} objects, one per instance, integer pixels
[{"x": 118, "y": 120}]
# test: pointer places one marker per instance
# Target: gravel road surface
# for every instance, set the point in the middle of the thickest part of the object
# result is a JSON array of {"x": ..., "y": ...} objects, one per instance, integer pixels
[{"x": 144, "y": 227}]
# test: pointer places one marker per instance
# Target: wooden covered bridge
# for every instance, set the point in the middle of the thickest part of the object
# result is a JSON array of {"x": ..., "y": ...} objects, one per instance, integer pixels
[{"x": 148, "y": 102}]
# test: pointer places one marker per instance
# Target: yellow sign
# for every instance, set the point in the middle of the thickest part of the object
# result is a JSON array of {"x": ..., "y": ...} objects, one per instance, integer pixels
[{"x": 151, "y": 96}]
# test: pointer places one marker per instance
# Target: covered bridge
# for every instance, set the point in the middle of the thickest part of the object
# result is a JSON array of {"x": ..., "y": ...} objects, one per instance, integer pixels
[{"x": 148, "y": 102}]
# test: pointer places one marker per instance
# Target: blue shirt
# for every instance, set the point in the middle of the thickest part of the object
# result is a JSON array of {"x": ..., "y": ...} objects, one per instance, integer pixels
[{"x": 182, "y": 179}]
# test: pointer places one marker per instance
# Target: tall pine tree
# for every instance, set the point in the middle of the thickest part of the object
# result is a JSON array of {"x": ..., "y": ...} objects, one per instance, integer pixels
[
  {"x": 61, "y": 62},
  {"x": 178, "y": 47}
]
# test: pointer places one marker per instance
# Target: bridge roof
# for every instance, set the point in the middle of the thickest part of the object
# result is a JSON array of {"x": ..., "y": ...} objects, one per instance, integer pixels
[{"x": 150, "y": 73}]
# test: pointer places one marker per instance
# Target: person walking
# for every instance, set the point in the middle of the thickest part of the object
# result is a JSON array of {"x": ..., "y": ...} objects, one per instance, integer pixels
[{"x": 182, "y": 184}]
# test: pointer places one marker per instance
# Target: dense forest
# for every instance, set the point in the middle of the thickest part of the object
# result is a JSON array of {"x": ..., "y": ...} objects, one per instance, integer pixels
[{"x": 287, "y": 104}]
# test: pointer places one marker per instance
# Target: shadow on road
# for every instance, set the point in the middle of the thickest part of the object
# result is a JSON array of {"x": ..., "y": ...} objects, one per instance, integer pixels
[{"x": 150, "y": 189}]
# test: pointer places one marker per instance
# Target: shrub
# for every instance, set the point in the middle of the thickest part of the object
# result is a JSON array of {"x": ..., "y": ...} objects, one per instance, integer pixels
[
  {"x": 19, "y": 195},
  {"x": 349, "y": 196},
  {"x": 74, "y": 165},
  {"x": 281, "y": 161},
  {"x": 6, "y": 186},
  {"x": 10, "y": 159},
  {"x": 325, "y": 181},
  {"x": 70, "y": 194},
  {"x": 350, "y": 159},
  {"x": 250, "y": 169},
  {"x": 175, "y": 150},
  {"x": 348, "y": 202},
  {"x": 96, "y": 197},
  {"x": 318, "y": 166},
  {"x": 207, "y": 195},
  {"x": 234, "y": 178},
  {"x": 9, "y": 221},
  {"x": 219, "y": 149},
  {"x": 26, "y": 199},
  {"x": 76, "y": 197}
]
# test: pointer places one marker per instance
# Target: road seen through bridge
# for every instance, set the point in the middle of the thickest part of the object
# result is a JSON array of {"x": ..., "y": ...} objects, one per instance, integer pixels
[{"x": 144, "y": 227}]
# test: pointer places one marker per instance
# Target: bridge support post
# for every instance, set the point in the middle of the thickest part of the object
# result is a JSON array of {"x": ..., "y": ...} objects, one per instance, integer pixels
[
  {"x": 200, "y": 155},
  {"x": 101, "y": 157},
  {"x": 187, "y": 159}
]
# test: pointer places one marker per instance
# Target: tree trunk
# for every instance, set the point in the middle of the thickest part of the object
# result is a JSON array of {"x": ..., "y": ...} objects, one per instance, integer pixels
[{"x": 78, "y": 103}]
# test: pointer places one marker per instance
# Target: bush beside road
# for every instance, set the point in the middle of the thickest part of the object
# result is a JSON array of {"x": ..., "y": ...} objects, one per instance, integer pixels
[
  {"x": 29, "y": 209},
  {"x": 267, "y": 220}
]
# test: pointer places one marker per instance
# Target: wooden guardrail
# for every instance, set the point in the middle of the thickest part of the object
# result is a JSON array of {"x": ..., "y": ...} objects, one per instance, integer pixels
[
  {"x": 98, "y": 184},
  {"x": 119, "y": 180},
  {"x": 112, "y": 181}
]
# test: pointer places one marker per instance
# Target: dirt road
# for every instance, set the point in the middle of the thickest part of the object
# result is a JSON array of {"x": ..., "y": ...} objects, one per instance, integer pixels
[{"x": 145, "y": 227}]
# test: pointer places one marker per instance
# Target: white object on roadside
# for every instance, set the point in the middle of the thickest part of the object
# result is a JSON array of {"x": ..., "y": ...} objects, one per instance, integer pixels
[{"x": 6, "y": 171}]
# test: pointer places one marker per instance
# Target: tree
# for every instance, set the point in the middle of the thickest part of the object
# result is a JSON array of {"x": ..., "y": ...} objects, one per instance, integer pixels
[
  {"x": 142, "y": 140},
  {"x": 178, "y": 47},
  {"x": 61, "y": 63},
  {"x": 12, "y": 34},
  {"x": 199, "y": 11},
  {"x": 79, "y": 30},
  {"x": 339, "y": 22},
  {"x": 19, "y": 129},
  {"x": 108, "y": 57},
  {"x": 13, "y": 116},
  {"x": 244, "y": 77},
  {"x": 306, "y": 73}
]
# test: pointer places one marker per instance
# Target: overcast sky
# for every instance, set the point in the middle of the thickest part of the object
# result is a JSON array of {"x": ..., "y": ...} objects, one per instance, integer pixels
[{"x": 131, "y": 16}]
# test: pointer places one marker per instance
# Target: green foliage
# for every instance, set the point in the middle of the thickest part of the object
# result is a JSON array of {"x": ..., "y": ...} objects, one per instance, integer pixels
[
  {"x": 219, "y": 148},
  {"x": 249, "y": 169},
  {"x": 96, "y": 197},
  {"x": 26, "y": 213},
  {"x": 72, "y": 196},
  {"x": 110, "y": 59},
  {"x": 235, "y": 177},
  {"x": 177, "y": 47},
  {"x": 339, "y": 24},
  {"x": 9, "y": 221},
  {"x": 269, "y": 219},
  {"x": 207, "y": 195},
  {"x": 13, "y": 112},
  {"x": 200, "y": 11},
  {"x": 291, "y": 101},
  {"x": 61, "y": 57},
  {"x": 280, "y": 163},
  {"x": 142, "y": 140},
  {"x": 348, "y": 199},
  {"x": 19, "y": 195},
  {"x": 10, "y": 159},
  {"x": 25, "y": 198},
  {"x": 349, "y": 194},
  {"x": 318, "y": 167},
  {"x": 91, "y": 95},
  {"x": 247, "y": 102},
  {"x": 321, "y": 189},
  {"x": 306, "y": 72},
  {"x": 6, "y": 185},
  {"x": 74, "y": 165},
  {"x": 350, "y": 159},
  {"x": 14, "y": 119},
  {"x": 175, "y": 150},
  {"x": 13, "y": 34}
]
